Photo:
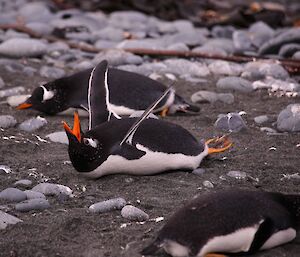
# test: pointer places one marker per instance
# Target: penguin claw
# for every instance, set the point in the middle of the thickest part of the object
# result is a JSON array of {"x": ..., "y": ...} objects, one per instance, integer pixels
[
  {"x": 221, "y": 144},
  {"x": 164, "y": 112}
]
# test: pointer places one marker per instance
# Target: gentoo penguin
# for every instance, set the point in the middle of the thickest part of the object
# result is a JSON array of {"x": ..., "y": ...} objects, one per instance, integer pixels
[
  {"x": 230, "y": 221},
  {"x": 129, "y": 92},
  {"x": 138, "y": 146}
]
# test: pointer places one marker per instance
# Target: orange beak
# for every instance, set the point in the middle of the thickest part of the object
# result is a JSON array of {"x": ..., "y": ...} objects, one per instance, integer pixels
[
  {"x": 24, "y": 106},
  {"x": 76, "y": 127}
]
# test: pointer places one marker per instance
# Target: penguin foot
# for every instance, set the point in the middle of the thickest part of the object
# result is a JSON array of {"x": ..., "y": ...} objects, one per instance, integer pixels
[
  {"x": 164, "y": 112},
  {"x": 220, "y": 144},
  {"x": 215, "y": 255}
]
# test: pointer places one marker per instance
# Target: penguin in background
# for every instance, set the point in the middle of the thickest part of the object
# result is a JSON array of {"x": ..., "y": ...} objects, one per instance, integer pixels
[
  {"x": 129, "y": 92},
  {"x": 137, "y": 146},
  {"x": 229, "y": 222}
]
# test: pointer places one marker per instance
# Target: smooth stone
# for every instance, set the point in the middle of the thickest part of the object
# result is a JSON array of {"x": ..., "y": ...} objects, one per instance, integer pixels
[
  {"x": 182, "y": 66},
  {"x": 7, "y": 219},
  {"x": 178, "y": 47},
  {"x": 288, "y": 50},
  {"x": 33, "y": 194},
  {"x": 273, "y": 45},
  {"x": 33, "y": 124},
  {"x": 207, "y": 49},
  {"x": 190, "y": 38},
  {"x": 261, "y": 69},
  {"x": 23, "y": 47},
  {"x": 11, "y": 91},
  {"x": 7, "y": 121},
  {"x": 14, "y": 34},
  {"x": 58, "y": 137},
  {"x": 33, "y": 204},
  {"x": 242, "y": 41},
  {"x": 52, "y": 72},
  {"x": 208, "y": 184},
  {"x": 289, "y": 119},
  {"x": 13, "y": 195},
  {"x": 237, "y": 174},
  {"x": 275, "y": 85},
  {"x": 134, "y": 214},
  {"x": 40, "y": 27},
  {"x": 236, "y": 84},
  {"x": 5, "y": 169},
  {"x": 268, "y": 130},
  {"x": 108, "y": 205},
  {"x": 147, "y": 43},
  {"x": 23, "y": 182},
  {"x": 16, "y": 100},
  {"x": 199, "y": 171},
  {"x": 109, "y": 34},
  {"x": 29, "y": 71},
  {"x": 296, "y": 55},
  {"x": 231, "y": 122},
  {"x": 204, "y": 96},
  {"x": 117, "y": 57},
  {"x": 140, "y": 113},
  {"x": 57, "y": 47},
  {"x": 260, "y": 33},
  {"x": 222, "y": 31},
  {"x": 226, "y": 98},
  {"x": 52, "y": 189},
  {"x": 105, "y": 44},
  {"x": 225, "y": 68},
  {"x": 222, "y": 43},
  {"x": 261, "y": 119},
  {"x": 80, "y": 37},
  {"x": 2, "y": 83},
  {"x": 35, "y": 11}
]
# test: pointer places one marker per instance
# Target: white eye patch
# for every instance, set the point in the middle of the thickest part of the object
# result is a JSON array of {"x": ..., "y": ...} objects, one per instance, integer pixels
[
  {"x": 47, "y": 95},
  {"x": 90, "y": 142}
]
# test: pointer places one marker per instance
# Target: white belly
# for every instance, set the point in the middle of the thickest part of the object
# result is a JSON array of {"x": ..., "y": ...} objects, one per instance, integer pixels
[{"x": 150, "y": 163}]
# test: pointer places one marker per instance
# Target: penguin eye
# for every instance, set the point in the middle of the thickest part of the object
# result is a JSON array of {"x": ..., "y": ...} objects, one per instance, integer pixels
[{"x": 90, "y": 142}]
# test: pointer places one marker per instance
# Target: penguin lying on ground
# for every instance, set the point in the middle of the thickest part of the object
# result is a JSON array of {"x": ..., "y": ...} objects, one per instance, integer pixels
[
  {"x": 138, "y": 146},
  {"x": 231, "y": 221},
  {"x": 129, "y": 92}
]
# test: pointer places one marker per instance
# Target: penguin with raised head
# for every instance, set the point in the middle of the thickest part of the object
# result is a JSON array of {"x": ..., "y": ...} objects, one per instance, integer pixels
[
  {"x": 138, "y": 146},
  {"x": 129, "y": 92},
  {"x": 230, "y": 221}
]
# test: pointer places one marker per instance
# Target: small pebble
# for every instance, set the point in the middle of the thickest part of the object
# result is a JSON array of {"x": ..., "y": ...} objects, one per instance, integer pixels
[
  {"x": 199, "y": 171},
  {"x": 52, "y": 189},
  {"x": 7, "y": 219},
  {"x": 23, "y": 183},
  {"x": 33, "y": 194},
  {"x": 261, "y": 119},
  {"x": 235, "y": 83},
  {"x": 11, "y": 91},
  {"x": 225, "y": 68},
  {"x": 33, "y": 124},
  {"x": 5, "y": 169},
  {"x": 108, "y": 205},
  {"x": 231, "y": 122},
  {"x": 15, "y": 100},
  {"x": 13, "y": 195},
  {"x": 7, "y": 121},
  {"x": 237, "y": 174},
  {"x": 268, "y": 130},
  {"x": 208, "y": 184},
  {"x": 58, "y": 137},
  {"x": 33, "y": 204},
  {"x": 134, "y": 214}
]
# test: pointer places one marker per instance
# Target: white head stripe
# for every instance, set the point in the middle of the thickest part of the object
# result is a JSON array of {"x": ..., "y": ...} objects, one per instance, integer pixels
[{"x": 47, "y": 95}]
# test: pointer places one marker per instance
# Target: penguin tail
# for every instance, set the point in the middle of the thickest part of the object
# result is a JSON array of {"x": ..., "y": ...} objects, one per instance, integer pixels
[{"x": 152, "y": 248}]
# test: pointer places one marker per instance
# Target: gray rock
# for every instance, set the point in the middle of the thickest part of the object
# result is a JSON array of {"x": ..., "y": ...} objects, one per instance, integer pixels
[
  {"x": 117, "y": 57},
  {"x": 52, "y": 72},
  {"x": 5, "y": 169},
  {"x": 261, "y": 119},
  {"x": 231, "y": 122},
  {"x": 36, "y": 11},
  {"x": 288, "y": 50},
  {"x": 33, "y": 124},
  {"x": 58, "y": 137},
  {"x": 236, "y": 84},
  {"x": 272, "y": 46},
  {"x": 52, "y": 189},
  {"x": 23, "y": 47},
  {"x": 40, "y": 28},
  {"x": 208, "y": 184},
  {"x": 33, "y": 204},
  {"x": 59, "y": 47},
  {"x": 7, "y": 121},
  {"x": 178, "y": 47},
  {"x": 237, "y": 174},
  {"x": 2, "y": 84},
  {"x": 109, "y": 34},
  {"x": 207, "y": 49},
  {"x": 13, "y": 195},
  {"x": 6, "y": 219},
  {"x": 34, "y": 195},
  {"x": 14, "y": 34},
  {"x": 222, "y": 31},
  {"x": 221, "y": 43},
  {"x": 268, "y": 130},
  {"x": 199, "y": 171},
  {"x": 11, "y": 91},
  {"x": 289, "y": 119},
  {"x": 204, "y": 96},
  {"x": 134, "y": 214},
  {"x": 29, "y": 71},
  {"x": 190, "y": 38},
  {"x": 296, "y": 55},
  {"x": 242, "y": 41},
  {"x": 103, "y": 44},
  {"x": 260, "y": 33},
  {"x": 148, "y": 43},
  {"x": 277, "y": 85},
  {"x": 226, "y": 98},
  {"x": 108, "y": 205},
  {"x": 225, "y": 68},
  {"x": 261, "y": 69},
  {"x": 15, "y": 100},
  {"x": 23, "y": 183}
]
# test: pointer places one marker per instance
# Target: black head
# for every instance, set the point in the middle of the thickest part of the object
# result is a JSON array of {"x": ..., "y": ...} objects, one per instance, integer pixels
[
  {"x": 49, "y": 99},
  {"x": 85, "y": 152}
]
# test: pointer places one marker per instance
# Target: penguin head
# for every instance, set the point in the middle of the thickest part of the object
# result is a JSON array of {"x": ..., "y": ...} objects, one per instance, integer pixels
[
  {"x": 84, "y": 150},
  {"x": 47, "y": 99}
]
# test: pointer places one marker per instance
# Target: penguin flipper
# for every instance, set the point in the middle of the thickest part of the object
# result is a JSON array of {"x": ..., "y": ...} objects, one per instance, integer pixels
[
  {"x": 263, "y": 233},
  {"x": 130, "y": 152},
  {"x": 98, "y": 96},
  {"x": 129, "y": 135}
]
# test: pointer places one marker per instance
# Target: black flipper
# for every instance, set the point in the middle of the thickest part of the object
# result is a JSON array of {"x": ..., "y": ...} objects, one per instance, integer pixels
[
  {"x": 134, "y": 127},
  {"x": 152, "y": 248},
  {"x": 98, "y": 96}
]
